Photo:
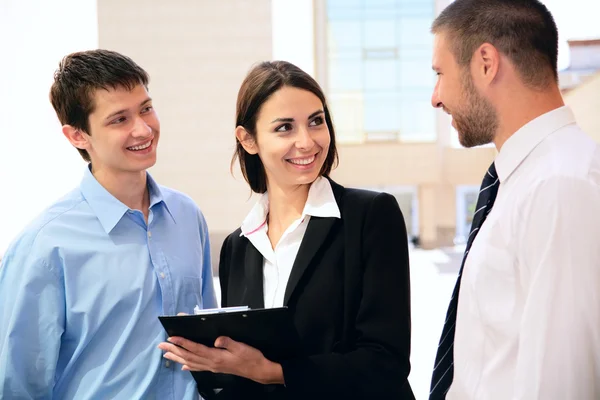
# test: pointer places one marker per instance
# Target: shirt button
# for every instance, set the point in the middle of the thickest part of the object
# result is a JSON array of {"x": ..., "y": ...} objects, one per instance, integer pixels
[
  {"x": 149, "y": 234},
  {"x": 167, "y": 364},
  {"x": 162, "y": 275}
]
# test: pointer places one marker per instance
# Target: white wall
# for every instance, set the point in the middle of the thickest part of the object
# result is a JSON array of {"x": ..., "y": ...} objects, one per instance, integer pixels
[
  {"x": 575, "y": 19},
  {"x": 37, "y": 165},
  {"x": 293, "y": 33}
]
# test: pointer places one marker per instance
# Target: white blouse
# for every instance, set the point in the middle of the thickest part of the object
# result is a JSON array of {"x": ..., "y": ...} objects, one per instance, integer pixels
[{"x": 278, "y": 262}]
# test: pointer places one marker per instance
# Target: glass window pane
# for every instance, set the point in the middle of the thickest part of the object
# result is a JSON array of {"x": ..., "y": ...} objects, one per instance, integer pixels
[
  {"x": 380, "y": 53},
  {"x": 406, "y": 201},
  {"x": 381, "y": 3},
  {"x": 417, "y": 120},
  {"x": 416, "y": 74},
  {"x": 381, "y": 74},
  {"x": 345, "y": 73},
  {"x": 380, "y": 33},
  {"x": 412, "y": 8},
  {"x": 344, "y": 34},
  {"x": 381, "y": 112},
  {"x": 342, "y": 4},
  {"x": 466, "y": 199},
  {"x": 344, "y": 9},
  {"x": 379, "y": 68},
  {"x": 379, "y": 13},
  {"x": 421, "y": 53},
  {"x": 415, "y": 32}
]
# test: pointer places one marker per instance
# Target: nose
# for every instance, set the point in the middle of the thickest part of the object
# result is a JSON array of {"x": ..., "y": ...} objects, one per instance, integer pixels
[
  {"x": 304, "y": 141},
  {"x": 435, "y": 97},
  {"x": 141, "y": 128}
]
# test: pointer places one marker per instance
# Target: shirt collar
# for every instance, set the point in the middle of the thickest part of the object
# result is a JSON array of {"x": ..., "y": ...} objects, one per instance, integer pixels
[
  {"x": 107, "y": 207},
  {"x": 156, "y": 195},
  {"x": 523, "y": 141},
  {"x": 320, "y": 203}
]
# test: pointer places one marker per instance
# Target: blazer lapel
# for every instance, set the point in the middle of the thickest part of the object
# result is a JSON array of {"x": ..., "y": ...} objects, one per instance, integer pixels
[
  {"x": 315, "y": 235},
  {"x": 253, "y": 265}
]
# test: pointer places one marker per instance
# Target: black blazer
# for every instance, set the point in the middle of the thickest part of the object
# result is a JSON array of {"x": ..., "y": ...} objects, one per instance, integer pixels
[{"x": 349, "y": 293}]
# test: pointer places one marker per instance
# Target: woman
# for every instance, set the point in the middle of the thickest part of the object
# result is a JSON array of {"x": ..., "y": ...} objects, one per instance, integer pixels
[{"x": 336, "y": 257}]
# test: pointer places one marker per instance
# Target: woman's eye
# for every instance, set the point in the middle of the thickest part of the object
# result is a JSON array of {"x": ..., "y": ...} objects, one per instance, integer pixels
[
  {"x": 317, "y": 121},
  {"x": 284, "y": 128}
]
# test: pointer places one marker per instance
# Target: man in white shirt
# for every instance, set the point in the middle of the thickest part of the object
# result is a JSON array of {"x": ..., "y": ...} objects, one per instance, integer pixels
[{"x": 524, "y": 319}]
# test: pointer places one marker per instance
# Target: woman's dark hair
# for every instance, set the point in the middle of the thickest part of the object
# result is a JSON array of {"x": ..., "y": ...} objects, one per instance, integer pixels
[{"x": 261, "y": 82}]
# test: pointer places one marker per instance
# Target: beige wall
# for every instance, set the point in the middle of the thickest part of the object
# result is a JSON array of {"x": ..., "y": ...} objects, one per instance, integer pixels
[
  {"x": 585, "y": 102},
  {"x": 197, "y": 54},
  {"x": 394, "y": 163},
  {"x": 433, "y": 168}
]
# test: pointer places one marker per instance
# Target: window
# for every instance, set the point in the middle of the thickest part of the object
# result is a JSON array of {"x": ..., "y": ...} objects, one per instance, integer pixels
[
  {"x": 408, "y": 202},
  {"x": 407, "y": 199},
  {"x": 378, "y": 74},
  {"x": 466, "y": 201}
]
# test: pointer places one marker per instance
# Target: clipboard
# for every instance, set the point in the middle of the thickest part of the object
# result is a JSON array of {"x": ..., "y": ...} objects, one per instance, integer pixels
[{"x": 270, "y": 330}]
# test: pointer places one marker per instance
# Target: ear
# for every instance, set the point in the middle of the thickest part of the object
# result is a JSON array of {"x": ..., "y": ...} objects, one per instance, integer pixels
[
  {"x": 246, "y": 140},
  {"x": 486, "y": 62},
  {"x": 77, "y": 137}
]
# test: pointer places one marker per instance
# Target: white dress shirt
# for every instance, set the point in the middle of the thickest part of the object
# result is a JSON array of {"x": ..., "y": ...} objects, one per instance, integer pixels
[
  {"x": 278, "y": 262},
  {"x": 528, "y": 319}
]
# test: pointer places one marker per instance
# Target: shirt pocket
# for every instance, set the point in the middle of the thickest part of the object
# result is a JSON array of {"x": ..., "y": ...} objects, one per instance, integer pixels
[
  {"x": 191, "y": 294},
  {"x": 495, "y": 286}
]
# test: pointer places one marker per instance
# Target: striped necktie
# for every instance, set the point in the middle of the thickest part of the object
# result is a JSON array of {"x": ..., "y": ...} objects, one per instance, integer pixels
[{"x": 444, "y": 361}]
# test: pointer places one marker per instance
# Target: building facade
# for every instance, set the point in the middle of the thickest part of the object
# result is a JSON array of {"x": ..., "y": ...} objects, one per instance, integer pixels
[{"x": 373, "y": 58}]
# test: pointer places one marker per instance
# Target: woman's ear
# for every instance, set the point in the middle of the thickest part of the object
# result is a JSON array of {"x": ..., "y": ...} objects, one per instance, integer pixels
[{"x": 246, "y": 140}]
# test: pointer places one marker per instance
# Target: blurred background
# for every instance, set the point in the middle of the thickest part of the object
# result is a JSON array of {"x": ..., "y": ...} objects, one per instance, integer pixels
[{"x": 373, "y": 59}]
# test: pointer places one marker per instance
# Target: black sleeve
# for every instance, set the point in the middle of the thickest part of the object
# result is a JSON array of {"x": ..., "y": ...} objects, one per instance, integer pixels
[
  {"x": 205, "y": 380},
  {"x": 378, "y": 364}
]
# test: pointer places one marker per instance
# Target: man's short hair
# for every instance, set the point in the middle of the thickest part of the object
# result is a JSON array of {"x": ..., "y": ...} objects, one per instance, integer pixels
[
  {"x": 78, "y": 77},
  {"x": 522, "y": 30}
]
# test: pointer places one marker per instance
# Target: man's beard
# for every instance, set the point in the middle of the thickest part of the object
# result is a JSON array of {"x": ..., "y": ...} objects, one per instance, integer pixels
[{"x": 476, "y": 119}]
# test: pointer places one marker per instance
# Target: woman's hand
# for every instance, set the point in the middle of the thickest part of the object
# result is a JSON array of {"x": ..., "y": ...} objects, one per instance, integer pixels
[{"x": 227, "y": 357}]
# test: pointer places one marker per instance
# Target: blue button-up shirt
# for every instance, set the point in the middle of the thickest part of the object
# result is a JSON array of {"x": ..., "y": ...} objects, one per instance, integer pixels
[{"x": 81, "y": 289}]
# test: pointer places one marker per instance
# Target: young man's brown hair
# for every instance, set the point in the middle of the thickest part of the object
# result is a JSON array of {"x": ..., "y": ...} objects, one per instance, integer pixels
[{"x": 80, "y": 74}]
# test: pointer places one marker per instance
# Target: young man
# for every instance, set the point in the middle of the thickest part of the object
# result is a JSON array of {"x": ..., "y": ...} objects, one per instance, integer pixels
[
  {"x": 81, "y": 288},
  {"x": 524, "y": 319}
]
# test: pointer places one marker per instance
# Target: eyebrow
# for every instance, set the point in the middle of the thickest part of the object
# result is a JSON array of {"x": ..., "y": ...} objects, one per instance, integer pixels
[
  {"x": 124, "y": 110},
  {"x": 292, "y": 119}
]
